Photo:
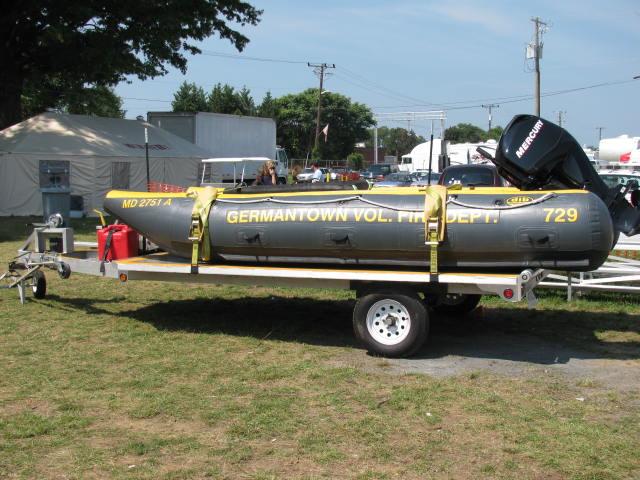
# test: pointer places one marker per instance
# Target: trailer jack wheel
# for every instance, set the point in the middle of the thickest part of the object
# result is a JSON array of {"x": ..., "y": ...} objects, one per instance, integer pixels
[
  {"x": 64, "y": 270},
  {"x": 391, "y": 324}
]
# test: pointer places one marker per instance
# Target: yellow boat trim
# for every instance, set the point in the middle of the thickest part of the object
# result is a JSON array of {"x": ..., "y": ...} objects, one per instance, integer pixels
[
  {"x": 404, "y": 191},
  {"x": 128, "y": 194},
  {"x": 376, "y": 191}
]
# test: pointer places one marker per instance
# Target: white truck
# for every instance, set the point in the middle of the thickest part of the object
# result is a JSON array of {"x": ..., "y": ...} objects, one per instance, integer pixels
[
  {"x": 227, "y": 136},
  {"x": 458, "y": 153}
]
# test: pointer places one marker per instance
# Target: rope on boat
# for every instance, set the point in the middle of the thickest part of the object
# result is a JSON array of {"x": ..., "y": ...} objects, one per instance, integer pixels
[
  {"x": 544, "y": 198},
  {"x": 320, "y": 202}
]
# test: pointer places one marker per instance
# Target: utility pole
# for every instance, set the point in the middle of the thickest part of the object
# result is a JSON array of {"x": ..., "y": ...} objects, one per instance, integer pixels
[
  {"x": 538, "y": 26},
  {"x": 599, "y": 133},
  {"x": 319, "y": 69},
  {"x": 490, "y": 106},
  {"x": 560, "y": 114}
]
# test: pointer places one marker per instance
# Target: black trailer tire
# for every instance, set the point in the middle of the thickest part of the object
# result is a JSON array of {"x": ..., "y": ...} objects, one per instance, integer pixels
[
  {"x": 391, "y": 324},
  {"x": 64, "y": 271},
  {"x": 456, "y": 304},
  {"x": 39, "y": 286}
]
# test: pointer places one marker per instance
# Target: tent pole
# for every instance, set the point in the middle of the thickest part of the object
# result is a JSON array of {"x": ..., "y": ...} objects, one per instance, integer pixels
[
  {"x": 146, "y": 157},
  {"x": 146, "y": 153}
]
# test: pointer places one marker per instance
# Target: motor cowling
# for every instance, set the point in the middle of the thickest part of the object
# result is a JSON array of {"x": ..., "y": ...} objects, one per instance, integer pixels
[{"x": 534, "y": 153}]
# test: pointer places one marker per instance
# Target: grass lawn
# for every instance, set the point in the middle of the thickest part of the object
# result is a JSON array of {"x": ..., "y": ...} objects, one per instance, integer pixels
[{"x": 173, "y": 381}]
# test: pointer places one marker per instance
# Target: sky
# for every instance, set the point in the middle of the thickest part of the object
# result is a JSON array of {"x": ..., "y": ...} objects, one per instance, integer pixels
[{"x": 413, "y": 56}]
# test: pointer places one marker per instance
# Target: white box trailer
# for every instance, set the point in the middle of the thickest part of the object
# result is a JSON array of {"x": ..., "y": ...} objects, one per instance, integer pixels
[
  {"x": 458, "y": 153},
  {"x": 226, "y": 136},
  {"x": 390, "y": 317}
]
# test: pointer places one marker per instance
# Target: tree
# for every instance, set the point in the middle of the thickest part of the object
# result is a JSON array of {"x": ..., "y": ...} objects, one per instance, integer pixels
[
  {"x": 246, "y": 104},
  {"x": 75, "y": 43},
  {"x": 397, "y": 141},
  {"x": 225, "y": 99},
  {"x": 466, "y": 132},
  {"x": 495, "y": 133},
  {"x": 100, "y": 101},
  {"x": 296, "y": 120},
  {"x": 189, "y": 98},
  {"x": 355, "y": 160},
  {"x": 267, "y": 108}
]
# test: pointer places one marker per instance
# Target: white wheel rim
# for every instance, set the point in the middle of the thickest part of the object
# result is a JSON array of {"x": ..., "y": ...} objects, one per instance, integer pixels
[{"x": 388, "y": 322}]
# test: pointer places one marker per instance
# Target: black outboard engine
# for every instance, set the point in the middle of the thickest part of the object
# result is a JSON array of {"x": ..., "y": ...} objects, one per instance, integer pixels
[{"x": 534, "y": 153}]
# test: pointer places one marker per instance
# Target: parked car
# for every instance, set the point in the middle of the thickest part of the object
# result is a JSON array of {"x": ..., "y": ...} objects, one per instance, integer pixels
[
  {"x": 397, "y": 179},
  {"x": 307, "y": 174},
  {"x": 471, "y": 175},
  {"x": 630, "y": 179},
  {"x": 378, "y": 171},
  {"x": 620, "y": 177},
  {"x": 353, "y": 175},
  {"x": 337, "y": 173},
  {"x": 421, "y": 178}
]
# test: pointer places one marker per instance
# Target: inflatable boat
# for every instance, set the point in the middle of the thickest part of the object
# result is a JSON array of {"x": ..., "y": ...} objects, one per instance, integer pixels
[{"x": 559, "y": 215}]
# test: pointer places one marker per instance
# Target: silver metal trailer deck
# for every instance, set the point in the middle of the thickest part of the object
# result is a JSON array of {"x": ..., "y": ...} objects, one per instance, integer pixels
[
  {"x": 391, "y": 315},
  {"x": 165, "y": 268}
]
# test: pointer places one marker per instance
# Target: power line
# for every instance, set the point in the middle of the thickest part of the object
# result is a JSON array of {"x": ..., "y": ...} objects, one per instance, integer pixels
[
  {"x": 147, "y": 99},
  {"x": 383, "y": 88},
  {"x": 454, "y": 105},
  {"x": 366, "y": 84},
  {"x": 515, "y": 99},
  {"x": 346, "y": 71},
  {"x": 211, "y": 53},
  {"x": 368, "y": 88}
]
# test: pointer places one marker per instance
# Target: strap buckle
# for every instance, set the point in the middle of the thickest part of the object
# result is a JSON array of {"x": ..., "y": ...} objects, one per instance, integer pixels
[{"x": 195, "y": 232}]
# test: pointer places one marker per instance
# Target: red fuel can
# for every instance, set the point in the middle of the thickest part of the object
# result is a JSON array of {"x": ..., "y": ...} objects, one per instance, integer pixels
[{"x": 124, "y": 242}]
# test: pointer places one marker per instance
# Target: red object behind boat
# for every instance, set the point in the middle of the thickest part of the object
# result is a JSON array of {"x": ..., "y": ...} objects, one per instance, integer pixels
[{"x": 124, "y": 242}]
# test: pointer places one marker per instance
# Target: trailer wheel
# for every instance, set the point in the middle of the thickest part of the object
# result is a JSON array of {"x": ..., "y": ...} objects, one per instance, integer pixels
[
  {"x": 456, "y": 303},
  {"x": 39, "y": 286},
  {"x": 64, "y": 270},
  {"x": 391, "y": 324}
]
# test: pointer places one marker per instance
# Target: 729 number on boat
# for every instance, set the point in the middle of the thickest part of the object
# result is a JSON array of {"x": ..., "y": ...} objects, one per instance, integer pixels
[{"x": 561, "y": 215}]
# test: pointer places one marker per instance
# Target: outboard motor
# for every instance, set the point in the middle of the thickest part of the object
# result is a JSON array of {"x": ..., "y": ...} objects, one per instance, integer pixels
[{"x": 534, "y": 153}]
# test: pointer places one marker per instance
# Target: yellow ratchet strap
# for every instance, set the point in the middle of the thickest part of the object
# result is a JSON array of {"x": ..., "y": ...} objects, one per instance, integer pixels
[
  {"x": 101, "y": 215},
  {"x": 435, "y": 201},
  {"x": 204, "y": 198}
]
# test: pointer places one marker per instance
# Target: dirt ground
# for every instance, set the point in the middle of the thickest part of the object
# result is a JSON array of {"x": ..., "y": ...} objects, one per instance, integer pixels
[{"x": 481, "y": 343}]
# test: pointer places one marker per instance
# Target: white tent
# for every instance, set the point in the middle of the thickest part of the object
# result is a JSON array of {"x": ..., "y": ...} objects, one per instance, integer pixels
[{"x": 91, "y": 155}]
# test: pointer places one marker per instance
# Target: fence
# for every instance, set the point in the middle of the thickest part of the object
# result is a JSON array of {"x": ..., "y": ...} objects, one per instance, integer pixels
[{"x": 618, "y": 274}]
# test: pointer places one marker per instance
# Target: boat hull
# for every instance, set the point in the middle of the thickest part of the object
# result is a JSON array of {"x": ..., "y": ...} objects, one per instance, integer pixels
[{"x": 494, "y": 229}]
